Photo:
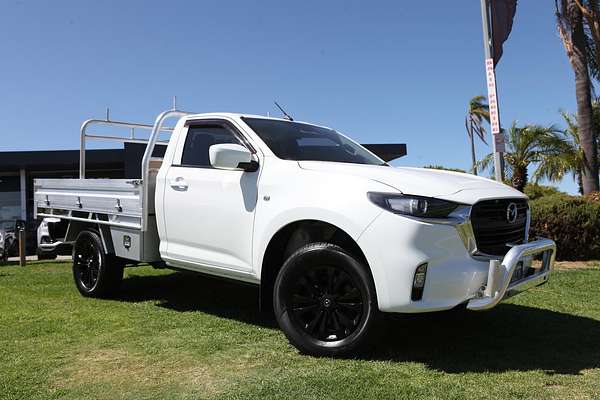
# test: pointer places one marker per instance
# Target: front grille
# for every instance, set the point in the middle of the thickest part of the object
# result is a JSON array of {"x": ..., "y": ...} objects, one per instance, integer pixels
[{"x": 493, "y": 231}]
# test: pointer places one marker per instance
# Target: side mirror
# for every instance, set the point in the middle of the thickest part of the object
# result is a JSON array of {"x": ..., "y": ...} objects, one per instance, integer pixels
[{"x": 231, "y": 156}]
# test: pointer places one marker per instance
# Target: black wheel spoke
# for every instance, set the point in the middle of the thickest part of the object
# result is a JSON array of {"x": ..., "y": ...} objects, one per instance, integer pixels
[
  {"x": 356, "y": 307},
  {"x": 347, "y": 322},
  {"x": 87, "y": 264},
  {"x": 330, "y": 279},
  {"x": 301, "y": 310},
  {"x": 84, "y": 277},
  {"x": 299, "y": 299},
  {"x": 336, "y": 322},
  {"x": 352, "y": 294},
  {"x": 304, "y": 284},
  {"x": 311, "y": 326},
  {"x": 323, "y": 325},
  {"x": 341, "y": 280}
]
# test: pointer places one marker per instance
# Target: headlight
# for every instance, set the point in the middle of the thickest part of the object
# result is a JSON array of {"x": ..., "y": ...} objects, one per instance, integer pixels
[{"x": 416, "y": 206}]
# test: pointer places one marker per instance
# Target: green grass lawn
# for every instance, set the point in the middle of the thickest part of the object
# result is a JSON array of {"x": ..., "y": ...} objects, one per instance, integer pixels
[{"x": 175, "y": 335}]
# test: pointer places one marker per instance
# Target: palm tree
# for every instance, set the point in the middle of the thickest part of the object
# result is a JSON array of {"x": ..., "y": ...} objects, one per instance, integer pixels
[
  {"x": 580, "y": 33},
  {"x": 568, "y": 160},
  {"x": 530, "y": 144},
  {"x": 477, "y": 113},
  {"x": 569, "y": 157}
]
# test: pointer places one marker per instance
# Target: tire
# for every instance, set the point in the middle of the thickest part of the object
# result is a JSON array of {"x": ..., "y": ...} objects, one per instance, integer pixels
[
  {"x": 96, "y": 273},
  {"x": 325, "y": 302}
]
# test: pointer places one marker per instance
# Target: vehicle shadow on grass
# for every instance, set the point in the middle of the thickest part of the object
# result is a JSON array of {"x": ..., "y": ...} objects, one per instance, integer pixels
[
  {"x": 509, "y": 338},
  {"x": 186, "y": 292}
]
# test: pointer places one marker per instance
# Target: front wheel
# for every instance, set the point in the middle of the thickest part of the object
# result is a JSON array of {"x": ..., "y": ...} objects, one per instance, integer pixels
[
  {"x": 324, "y": 301},
  {"x": 96, "y": 274}
]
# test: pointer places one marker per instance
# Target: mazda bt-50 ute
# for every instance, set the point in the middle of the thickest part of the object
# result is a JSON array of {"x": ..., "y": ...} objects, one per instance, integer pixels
[{"x": 333, "y": 235}]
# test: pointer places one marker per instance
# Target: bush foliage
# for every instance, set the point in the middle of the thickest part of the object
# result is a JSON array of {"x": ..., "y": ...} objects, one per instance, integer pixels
[
  {"x": 573, "y": 222},
  {"x": 535, "y": 191}
]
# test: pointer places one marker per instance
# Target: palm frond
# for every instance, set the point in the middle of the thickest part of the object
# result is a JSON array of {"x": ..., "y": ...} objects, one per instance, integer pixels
[{"x": 486, "y": 163}]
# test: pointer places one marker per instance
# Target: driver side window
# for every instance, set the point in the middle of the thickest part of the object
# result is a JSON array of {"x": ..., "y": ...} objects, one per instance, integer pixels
[{"x": 198, "y": 141}]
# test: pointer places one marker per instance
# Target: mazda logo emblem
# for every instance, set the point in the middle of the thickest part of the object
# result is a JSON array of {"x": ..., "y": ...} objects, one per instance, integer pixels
[{"x": 511, "y": 213}]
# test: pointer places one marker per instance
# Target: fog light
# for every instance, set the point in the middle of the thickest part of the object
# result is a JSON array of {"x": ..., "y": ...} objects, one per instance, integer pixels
[{"x": 419, "y": 282}]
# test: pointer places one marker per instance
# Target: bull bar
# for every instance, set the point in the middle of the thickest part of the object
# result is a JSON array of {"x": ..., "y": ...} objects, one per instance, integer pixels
[{"x": 499, "y": 281}]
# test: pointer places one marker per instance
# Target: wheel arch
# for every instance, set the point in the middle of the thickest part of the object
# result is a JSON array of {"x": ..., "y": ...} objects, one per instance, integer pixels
[
  {"x": 76, "y": 227},
  {"x": 291, "y": 237}
]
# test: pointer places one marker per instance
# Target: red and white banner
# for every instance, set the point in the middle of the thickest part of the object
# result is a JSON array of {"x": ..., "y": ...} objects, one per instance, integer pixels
[{"x": 493, "y": 104}]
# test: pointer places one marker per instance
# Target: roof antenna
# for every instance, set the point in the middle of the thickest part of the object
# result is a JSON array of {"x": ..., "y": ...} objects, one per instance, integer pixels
[
  {"x": 285, "y": 115},
  {"x": 174, "y": 103},
  {"x": 107, "y": 114}
]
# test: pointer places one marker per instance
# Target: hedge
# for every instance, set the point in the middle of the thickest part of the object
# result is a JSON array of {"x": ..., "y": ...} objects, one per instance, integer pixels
[{"x": 573, "y": 222}]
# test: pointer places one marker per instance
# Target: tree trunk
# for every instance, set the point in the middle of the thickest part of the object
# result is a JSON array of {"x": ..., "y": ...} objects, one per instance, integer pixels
[
  {"x": 579, "y": 181},
  {"x": 473, "y": 156},
  {"x": 583, "y": 87},
  {"x": 519, "y": 178}
]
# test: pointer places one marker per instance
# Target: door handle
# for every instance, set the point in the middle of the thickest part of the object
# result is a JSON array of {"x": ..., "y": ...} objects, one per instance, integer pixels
[{"x": 179, "y": 184}]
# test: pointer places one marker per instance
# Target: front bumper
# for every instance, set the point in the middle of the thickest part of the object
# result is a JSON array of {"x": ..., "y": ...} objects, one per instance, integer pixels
[
  {"x": 500, "y": 283},
  {"x": 54, "y": 248},
  {"x": 395, "y": 246},
  {"x": 50, "y": 247}
]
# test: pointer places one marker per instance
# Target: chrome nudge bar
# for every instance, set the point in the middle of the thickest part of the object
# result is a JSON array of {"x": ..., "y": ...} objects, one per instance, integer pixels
[{"x": 499, "y": 282}]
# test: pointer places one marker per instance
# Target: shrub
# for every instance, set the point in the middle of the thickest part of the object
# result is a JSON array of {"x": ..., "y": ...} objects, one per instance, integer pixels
[
  {"x": 594, "y": 196},
  {"x": 535, "y": 191},
  {"x": 573, "y": 222}
]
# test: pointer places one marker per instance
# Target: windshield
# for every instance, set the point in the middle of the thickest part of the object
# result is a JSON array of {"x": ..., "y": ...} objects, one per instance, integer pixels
[{"x": 303, "y": 142}]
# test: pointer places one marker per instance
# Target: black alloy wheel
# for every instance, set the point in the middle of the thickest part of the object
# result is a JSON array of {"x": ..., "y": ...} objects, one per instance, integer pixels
[
  {"x": 324, "y": 301},
  {"x": 87, "y": 263},
  {"x": 96, "y": 274}
]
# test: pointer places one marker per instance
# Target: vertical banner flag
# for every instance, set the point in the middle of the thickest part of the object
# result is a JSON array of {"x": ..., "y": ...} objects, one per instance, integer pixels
[
  {"x": 503, "y": 14},
  {"x": 493, "y": 105}
]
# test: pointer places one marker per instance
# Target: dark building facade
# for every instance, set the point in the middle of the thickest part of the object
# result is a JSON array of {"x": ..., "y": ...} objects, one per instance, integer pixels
[{"x": 18, "y": 169}]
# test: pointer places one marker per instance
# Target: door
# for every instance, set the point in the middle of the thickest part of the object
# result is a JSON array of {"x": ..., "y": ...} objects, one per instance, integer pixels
[{"x": 209, "y": 212}]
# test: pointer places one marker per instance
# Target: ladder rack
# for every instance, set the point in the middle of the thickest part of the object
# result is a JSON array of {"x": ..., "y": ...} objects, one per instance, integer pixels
[{"x": 151, "y": 142}]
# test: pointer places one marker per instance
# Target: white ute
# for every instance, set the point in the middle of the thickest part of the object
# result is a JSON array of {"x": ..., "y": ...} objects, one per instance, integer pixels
[{"x": 331, "y": 233}]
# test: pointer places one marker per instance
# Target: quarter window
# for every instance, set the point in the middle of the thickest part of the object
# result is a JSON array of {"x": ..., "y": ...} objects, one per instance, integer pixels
[{"x": 198, "y": 141}]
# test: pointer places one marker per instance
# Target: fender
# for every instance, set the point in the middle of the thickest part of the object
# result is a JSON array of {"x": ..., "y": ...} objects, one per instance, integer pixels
[{"x": 348, "y": 225}]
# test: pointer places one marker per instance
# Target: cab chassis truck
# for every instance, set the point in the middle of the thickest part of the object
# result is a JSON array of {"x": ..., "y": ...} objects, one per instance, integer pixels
[{"x": 333, "y": 235}]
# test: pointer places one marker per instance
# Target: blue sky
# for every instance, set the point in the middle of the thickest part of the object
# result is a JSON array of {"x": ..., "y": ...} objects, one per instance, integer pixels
[{"x": 385, "y": 71}]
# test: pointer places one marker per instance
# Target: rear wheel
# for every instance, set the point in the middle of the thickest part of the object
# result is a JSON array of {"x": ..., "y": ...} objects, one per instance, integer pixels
[
  {"x": 96, "y": 274},
  {"x": 324, "y": 301}
]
